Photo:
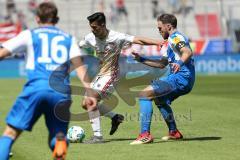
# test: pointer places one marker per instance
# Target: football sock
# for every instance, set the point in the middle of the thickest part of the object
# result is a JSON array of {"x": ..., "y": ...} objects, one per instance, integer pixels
[
  {"x": 146, "y": 111},
  {"x": 94, "y": 117},
  {"x": 5, "y": 147},
  {"x": 53, "y": 143},
  {"x": 105, "y": 110},
  {"x": 167, "y": 114}
]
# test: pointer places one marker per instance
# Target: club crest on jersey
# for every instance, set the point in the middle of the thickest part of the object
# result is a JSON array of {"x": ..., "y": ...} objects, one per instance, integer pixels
[
  {"x": 169, "y": 59},
  {"x": 176, "y": 40}
]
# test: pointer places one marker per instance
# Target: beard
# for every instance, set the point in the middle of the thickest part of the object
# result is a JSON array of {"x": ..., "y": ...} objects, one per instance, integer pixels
[{"x": 165, "y": 36}]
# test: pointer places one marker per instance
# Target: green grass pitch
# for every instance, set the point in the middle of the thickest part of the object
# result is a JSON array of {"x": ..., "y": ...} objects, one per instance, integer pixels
[{"x": 208, "y": 117}]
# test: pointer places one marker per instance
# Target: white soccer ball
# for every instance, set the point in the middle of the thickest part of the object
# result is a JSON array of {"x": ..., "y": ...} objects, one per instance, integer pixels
[{"x": 75, "y": 134}]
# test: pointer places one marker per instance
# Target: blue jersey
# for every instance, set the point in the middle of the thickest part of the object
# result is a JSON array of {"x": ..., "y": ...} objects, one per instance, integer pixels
[
  {"x": 175, "y": 42},
  {"x": 175, "y": 84},
  {"x": 45, "y": 48}
]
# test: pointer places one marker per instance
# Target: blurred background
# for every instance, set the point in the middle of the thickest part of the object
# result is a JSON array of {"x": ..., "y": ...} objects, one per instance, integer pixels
[{"x": 213, "y": 26}]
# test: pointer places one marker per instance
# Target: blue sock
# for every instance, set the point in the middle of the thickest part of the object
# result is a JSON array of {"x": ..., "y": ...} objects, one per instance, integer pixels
[
  {"x": 146, "y": 111},
  {"x": 53, "y": 143},
  {"x": 167, "y": 114},
  {"x": 5, "y": 147}
]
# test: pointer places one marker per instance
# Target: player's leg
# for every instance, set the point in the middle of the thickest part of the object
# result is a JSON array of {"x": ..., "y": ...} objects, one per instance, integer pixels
[
  {"x": 9, "y": 136},
  {"x": 22, "y": 116},
  {"x": 146, "y": 110},
  {"x": 94, "y": 116},
  {"x": 168, "y": 116},
  {"x": 166, "y": 91},
  {"x": 117, "y": 119},
  {"x": 57, "y": 124},
  {"x": 104, "y": 86},
  {"x": 106, "y": 91}
]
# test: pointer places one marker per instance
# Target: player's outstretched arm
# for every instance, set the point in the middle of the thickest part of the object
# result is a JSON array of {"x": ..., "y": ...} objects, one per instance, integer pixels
[
  {"x": 4, "y": 53},
  {"x": 162, "y": 63},
  {"x": 147, "y": 41}
]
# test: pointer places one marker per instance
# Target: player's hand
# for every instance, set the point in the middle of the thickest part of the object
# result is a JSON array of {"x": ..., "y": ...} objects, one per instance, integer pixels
[
  {"x": 136, "y": 56},
  {"x": 90, "y": 100},
  {"x": 175, "y": 67},
  {"x": 89, "y": 103},
  {"x": 161, "y": 42}
]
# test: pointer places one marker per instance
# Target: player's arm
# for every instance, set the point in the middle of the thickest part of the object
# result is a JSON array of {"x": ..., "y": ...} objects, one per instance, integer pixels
[
  {"x": 76, "y": 58},
  {"x": 81, "y": 71},
  {"x": 89, "y": 102},
  {"x": 4, "y": 53},
  {"x": 162, "y": 63},
  {"x": 15, "y": 45},
  {"x": 185, "y": 52},
  {"x": 147, "y": 41}
]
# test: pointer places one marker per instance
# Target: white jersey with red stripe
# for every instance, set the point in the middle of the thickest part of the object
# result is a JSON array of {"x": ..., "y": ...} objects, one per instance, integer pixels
[{"x": 108, "y": 51}]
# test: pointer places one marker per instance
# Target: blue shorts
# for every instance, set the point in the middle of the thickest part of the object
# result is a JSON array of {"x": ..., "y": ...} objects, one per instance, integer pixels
[
  {"x": 167, "y": 89},
  {"x": 32, "y": 103}
]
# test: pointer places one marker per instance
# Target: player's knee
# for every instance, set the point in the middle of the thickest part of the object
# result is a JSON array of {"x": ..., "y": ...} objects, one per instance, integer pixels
[
  {"x": 161, "y": 102},
  {"x": 157, "y": 102},
  {"x": 146, "y": 94},
  {"x": 11, "y": 132},
  {"x": 142, "y": 94}
]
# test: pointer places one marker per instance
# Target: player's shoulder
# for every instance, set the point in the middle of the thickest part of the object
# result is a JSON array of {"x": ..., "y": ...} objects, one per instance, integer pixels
[
  {"x": 116, "y": 33},
  {"x": 26, "y": 32},
  {"x": 113, "y": 32},
  {"x": 24, "y": 35},
  {"x": 89, "y": 37},
  {"x": 51, "y": 30},
  {"x": 61, "y": 32},
  {"x": 176, "y": 37}
]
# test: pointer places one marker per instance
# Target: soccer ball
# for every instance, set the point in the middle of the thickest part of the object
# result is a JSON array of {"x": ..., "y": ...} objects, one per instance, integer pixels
[{"x": 75, "y": 134}]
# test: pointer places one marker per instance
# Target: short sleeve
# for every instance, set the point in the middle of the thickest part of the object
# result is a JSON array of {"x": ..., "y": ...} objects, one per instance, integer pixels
[
  {"x": 75, "y": 50},
  {"x": 178, "y": 42},
  {"x": 126, "y": 39},
  {"x": 84, "y": 43},
  {"x": 19, "y": 43}
]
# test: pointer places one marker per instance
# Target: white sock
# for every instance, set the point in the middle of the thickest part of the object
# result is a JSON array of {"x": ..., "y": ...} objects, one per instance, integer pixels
[
  {"x": 104, "y": 109},
  {"x": 94, "y": 117}
]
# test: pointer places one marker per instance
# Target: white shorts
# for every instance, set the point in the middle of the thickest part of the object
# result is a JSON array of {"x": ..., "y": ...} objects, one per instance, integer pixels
[{"x": 104, "y": 84}]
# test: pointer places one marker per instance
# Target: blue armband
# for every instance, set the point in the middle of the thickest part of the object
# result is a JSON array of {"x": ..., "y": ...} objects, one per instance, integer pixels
[
  {"x": 142, "y": 59},
  {"x": 180, "y": 63}
]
